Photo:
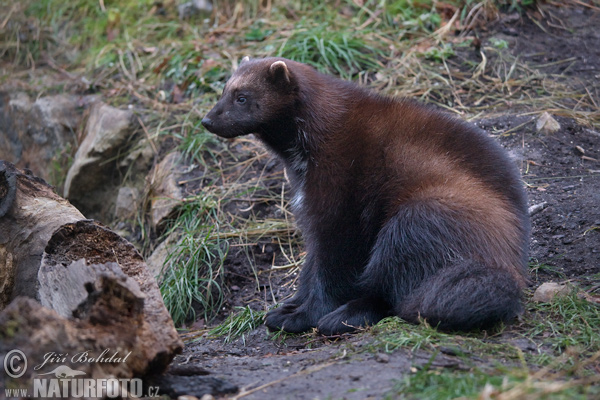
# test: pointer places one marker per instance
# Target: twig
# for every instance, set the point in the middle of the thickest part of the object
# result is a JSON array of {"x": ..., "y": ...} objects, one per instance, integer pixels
[
  {"x": 581, "y": 3},
  {"x": 516, "y": 127},
  {"x": 12, "y": 10},
  {"x": 147, "y": 135},
  {"x": 546, "y": 178},
  {"x": 536, "y": 208}
]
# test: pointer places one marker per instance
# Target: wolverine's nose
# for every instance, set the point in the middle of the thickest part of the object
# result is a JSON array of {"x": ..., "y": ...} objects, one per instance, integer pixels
[{"x": 207, "y": 123}]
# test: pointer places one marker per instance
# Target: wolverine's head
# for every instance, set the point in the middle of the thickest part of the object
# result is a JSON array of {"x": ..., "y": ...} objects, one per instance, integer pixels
[{"x": 259, "y": 95}]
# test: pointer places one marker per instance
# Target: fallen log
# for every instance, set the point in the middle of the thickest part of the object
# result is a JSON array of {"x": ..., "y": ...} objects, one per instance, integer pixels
[
  {"x": 101, "y": 311},
  {"x": 30, "y": 212}
]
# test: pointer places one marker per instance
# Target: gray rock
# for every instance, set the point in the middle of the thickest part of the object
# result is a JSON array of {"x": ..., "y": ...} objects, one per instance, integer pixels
[
  {"x": 34, "y": 134},
  {"x": 127, "y": 203},
  {"x": 92, "y": 181},
  {"x": 548, "y": 291},
  {"x": 139, "y": 160}
]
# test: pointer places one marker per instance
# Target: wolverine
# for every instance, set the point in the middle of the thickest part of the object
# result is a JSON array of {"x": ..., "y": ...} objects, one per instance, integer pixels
[{"x": 404, "y": 209}]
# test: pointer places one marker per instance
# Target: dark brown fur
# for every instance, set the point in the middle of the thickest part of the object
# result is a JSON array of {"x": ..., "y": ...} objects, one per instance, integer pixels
[{"x": 404, "y": 210}]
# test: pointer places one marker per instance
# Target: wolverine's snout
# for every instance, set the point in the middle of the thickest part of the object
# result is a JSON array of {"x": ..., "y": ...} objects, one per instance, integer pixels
[{"x": 207, "y": 123}]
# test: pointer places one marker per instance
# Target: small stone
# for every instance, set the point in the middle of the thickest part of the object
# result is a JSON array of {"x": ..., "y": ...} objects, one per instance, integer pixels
[
  {"x": 127, "y": 202},
  {"x": 547, "y": 124},
  {"x": 382, "y": 358},
  {"x": 549, "y": 291}
]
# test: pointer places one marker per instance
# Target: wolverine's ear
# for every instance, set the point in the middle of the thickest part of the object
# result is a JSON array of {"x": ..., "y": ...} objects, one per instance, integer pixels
[{"x": 279, "y": 72}]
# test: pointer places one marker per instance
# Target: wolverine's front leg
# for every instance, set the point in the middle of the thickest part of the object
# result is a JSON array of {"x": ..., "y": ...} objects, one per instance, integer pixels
[
  {"x": 311, "y": 302},
  {"x": 328, "y": 279}
]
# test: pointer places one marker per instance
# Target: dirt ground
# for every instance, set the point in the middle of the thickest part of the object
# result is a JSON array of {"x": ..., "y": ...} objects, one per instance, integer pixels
[{"x": 562, "y": 174}]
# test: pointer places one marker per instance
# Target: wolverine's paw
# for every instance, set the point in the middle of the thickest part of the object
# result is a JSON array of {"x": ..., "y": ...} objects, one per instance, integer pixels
[
  {"x": 288, "y": 318},
  {"x": 351, "y": 316},
  {"x": 336, "y": 322}
]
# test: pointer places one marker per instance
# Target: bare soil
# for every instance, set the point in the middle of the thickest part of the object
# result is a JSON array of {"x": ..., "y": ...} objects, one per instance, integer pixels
[{"x": 562, "y": 174}]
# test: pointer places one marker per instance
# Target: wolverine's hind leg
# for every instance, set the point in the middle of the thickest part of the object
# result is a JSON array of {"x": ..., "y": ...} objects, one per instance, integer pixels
[
  {"x": 421, "y": 266},
  {"x": 464, "y": 296}
]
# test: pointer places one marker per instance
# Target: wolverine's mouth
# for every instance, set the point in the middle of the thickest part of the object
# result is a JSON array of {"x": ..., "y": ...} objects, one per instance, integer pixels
[{"x": 210, "y": 126}]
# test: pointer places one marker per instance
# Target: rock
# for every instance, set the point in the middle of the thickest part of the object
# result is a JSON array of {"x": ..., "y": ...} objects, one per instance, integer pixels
[
  {"x": 165, "y": 192},
  {"x": 382, "y": 358},
  {"x": 158, "y": 258},
  {"x": 139, "y": 160},
  {"x": 547, "y": 124},
  {"x": 190, "y": 8},
  {"x": 127, "y": 202},
  {"x": 92, "y": 181},
  {"x": 548, "y": 291},
  {"x": 36, "y": 134}
]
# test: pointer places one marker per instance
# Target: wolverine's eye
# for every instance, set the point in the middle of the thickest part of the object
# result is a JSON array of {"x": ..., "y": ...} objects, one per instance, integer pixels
[{"x": 241, "y": 99}]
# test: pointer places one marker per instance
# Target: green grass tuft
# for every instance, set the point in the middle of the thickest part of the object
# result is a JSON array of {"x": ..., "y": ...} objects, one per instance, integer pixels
[
  {"x": 236, "y": 325},
  {"x": 569, "y": 321},
  {"x": 434, "y": 384},
  {"x": 501, "y": 383},
  {"x": 330, "y": 50},
  {"x": 393, "y": 333},
  {"x": 193, "y": 271}
]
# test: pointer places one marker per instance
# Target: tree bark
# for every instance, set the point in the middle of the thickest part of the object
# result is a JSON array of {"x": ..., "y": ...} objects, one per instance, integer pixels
[{"x": 30, "y": 212}]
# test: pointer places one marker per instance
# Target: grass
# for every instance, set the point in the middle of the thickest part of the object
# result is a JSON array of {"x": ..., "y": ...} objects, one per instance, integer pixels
[
  {"x": 536, "y": 267},
  {"x": 566, "y": 322},
  {"x": 441, "y": 384},
  {"x": 490, "y": 365},
  {"x": 238, "y": 324},
  {"x": 192, "y": 276},
  {"x": 563, "y": 368},
  {"x": 570, "y": 318},
  {"x": 138, "y": 52},
  {"x": 432, "y": 383},
  {"x": 330, "y": 50},
  {"x": 564, "y": 331},
  {"x": 392, "y": 333}
]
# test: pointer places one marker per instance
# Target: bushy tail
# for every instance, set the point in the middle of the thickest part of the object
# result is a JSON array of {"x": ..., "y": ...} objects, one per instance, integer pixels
[{"x": 463, "y": 297}]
